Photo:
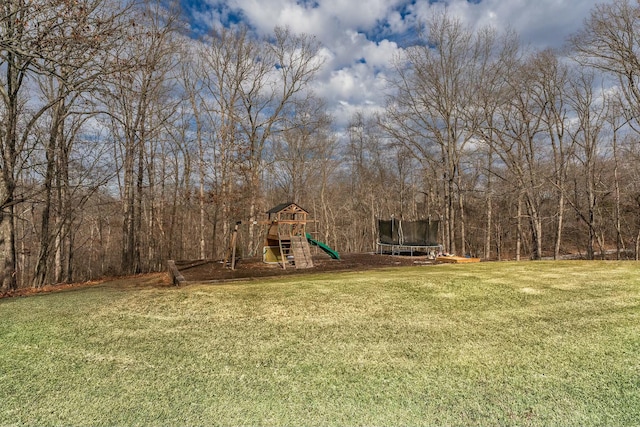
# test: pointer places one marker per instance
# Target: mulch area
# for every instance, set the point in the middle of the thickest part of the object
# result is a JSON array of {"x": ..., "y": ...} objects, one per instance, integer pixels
[
  {"x": 153, "y": 280},
  {"x": 215, "y": 271},
  {"x": 246, "y": 269},
  {"x": 24, "y": 292}
]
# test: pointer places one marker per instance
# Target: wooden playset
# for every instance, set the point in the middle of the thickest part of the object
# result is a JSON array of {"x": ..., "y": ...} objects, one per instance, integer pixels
[{"x": 286, "y": 238}]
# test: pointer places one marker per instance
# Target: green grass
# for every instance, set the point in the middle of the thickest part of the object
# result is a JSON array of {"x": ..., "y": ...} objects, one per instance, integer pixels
[{"x": 532, "y": 343}]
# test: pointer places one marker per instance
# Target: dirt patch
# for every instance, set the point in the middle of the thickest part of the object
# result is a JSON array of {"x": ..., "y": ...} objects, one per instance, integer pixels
[
  {"x": 215, "y": 271},
  {"x": 23, "y": 292},
  {"x": 251, "y": 268},
  {"x": 149, "y": 280}
]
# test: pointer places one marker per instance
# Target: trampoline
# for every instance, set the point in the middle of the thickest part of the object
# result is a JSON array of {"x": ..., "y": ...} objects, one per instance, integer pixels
[{"x": 398, "y": 237}]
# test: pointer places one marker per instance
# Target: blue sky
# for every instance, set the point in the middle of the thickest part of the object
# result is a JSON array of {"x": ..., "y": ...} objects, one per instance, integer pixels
[{"x": 360, "y": 37}]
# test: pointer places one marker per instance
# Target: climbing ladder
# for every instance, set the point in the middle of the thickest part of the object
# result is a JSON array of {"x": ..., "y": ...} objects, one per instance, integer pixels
[
  {"x": 301, "y": 252},
  {"x": 286, "y": 252},
  {"x": 295, "y": 251}
]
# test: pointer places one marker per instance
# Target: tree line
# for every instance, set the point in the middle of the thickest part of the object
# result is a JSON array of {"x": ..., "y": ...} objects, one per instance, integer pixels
[{"x": 126, "y": 141}]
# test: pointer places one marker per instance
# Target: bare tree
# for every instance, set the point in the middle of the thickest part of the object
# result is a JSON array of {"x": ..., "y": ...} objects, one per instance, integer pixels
[
  {"x": 549, "y": 85},
  {"x": 610, "y": 42},
  {"x": 617, "y": 119},
  {"x": 430, "y": 111},
  {"x": 223, "y": 65},
  {"x": 75, "y": 71},
  {"x": 19, "y": 49},
  {"x": 492, "y": 90},
  {"x": 49, "y": 38},
  {"x": 380, "y": 182},
  {"x": 298, "y": 148},
  {"x": 256, "y": 86},
  {"x": 134, "y": 94},
  {"x": 519, "y": 124},
  {"x": 193, "y": 89},
  {"x": 591, "y": 115}
]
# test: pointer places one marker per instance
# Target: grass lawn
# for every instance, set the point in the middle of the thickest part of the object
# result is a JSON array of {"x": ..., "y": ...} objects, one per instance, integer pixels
[{"x": 531, "y": 343}]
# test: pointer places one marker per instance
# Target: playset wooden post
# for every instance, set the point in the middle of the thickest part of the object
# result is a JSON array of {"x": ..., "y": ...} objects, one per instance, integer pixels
[{"x": 230, "y": 256}]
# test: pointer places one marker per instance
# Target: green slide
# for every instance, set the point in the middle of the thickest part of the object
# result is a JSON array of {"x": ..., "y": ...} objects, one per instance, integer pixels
[{"x": 333, "y": 254}]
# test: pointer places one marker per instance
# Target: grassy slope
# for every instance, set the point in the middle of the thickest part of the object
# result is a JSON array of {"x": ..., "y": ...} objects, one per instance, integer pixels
[{"x": 498, "y": 343}]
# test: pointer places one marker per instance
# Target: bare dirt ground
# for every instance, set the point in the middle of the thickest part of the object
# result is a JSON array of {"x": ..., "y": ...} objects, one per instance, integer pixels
[
  {"x": 213, "y": 271},
  {"x": 148, "y": 280},
  {"x": 251, "y": 268}
]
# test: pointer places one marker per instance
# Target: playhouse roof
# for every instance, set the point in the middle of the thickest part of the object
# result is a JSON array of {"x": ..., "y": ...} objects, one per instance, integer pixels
[{"x": 289, "y": 206}]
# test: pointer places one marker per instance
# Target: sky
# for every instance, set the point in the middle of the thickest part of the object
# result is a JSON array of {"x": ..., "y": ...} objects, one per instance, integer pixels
[{"x": 360, "y": 37}]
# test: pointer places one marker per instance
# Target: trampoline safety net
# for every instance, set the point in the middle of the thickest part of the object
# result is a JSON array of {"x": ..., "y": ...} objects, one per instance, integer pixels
[{"x": 421, "y": 233}]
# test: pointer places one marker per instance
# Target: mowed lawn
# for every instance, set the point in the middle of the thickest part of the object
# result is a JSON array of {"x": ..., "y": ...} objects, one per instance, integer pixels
[{"x": 530, "y": 343}]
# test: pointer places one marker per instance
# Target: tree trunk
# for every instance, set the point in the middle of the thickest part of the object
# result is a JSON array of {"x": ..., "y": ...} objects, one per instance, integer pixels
[
  {"x": 463, "y": 237},
  {"x": 202, "y": 209},
  {"x": 556, "y": 249},
  {"x": 46, "y": 237},
  {"x": 137, "y": 215},
  {"x": 535, "y": 224},
  {"x": 619, "y": 240},
  {"x": 519, "y": 228},
  {"x": 489, "y": 206},
  {"x": 591, "y": 200},
  {"x": 7, "y": 186},
  {"x": 7, "y": 245},
  {"x": 128, "y": 215}
]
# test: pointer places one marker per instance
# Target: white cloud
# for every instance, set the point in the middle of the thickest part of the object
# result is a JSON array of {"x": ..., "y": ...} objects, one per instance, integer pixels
[
  {"x": 380, "y": 54},
  {"x": 358, "y": 35},
  {"x": 361, "y": 15},
  {"x": 541, "y": 23},
  {"x": 355, "y": 88},
  {"x": 267, "y": 14}
]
